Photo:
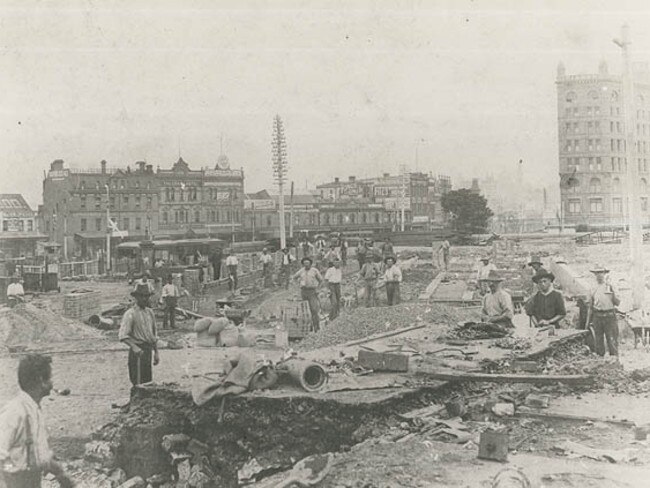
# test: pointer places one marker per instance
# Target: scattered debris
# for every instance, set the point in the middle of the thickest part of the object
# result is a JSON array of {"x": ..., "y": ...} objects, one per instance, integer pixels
[{"x": 480, "y": 330}]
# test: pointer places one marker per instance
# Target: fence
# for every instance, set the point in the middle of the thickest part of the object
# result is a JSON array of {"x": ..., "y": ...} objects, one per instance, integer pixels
[{"x": 70, "y": 269}]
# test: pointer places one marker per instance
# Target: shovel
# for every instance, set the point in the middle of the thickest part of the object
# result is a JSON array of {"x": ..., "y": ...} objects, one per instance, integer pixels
[{"x": 308, "y": 472}]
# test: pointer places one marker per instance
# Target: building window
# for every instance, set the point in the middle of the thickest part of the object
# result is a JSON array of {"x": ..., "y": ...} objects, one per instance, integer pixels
[
  {"x": 172, "y": 195},
  {"x": 576, "y": 127},
  {"x": 5, "y": 226},
  {"x": 364, "y": 218},
  {"x": 83, "y": 225},
  {"x": 112, "y": 203},
  {"x": 594, "y": 185},
  {"x": 149, "y": 202},
  {"x": 126, "y": 223},
  {"x": 613, "y": 164},
  {"x": 47, "y": 225},
  {"x": 571, "y": 97},
  {"x": 122, "y": 184},
  {"x": 326, "y": 219},
  {"x": 611, "y": 127},
  {"x": 591, "y": 164},
  {"x": 595, "y": 205},
  {"x": 353, "y": 218},
  {"x": 589, "y": 111},
  {"x": 339, "y": 219},
  {"x": 268, "y": 221},
  {"x": 125, "y": 200},
  {"x": 644, "y": 204},
  {"x": 575, "y": 111},
  {"x": 644, "y": 186},
  {"x": 138, "y": 200},
  {"x": 618, "y": 127},
  {"x": 30, "y": 225},
  {"x": 616, "y": 184},
  {"x": 197, "y": 216},
  {"x": 614, "y": 96},
  {"x": 377, "y": 215},
  {"x": 576, "y": 145},
  {"x": 83, "y": 203},
  {"x": 165, "y": 217},
  {"x": 138, "y": 223},
  {"x": 98, "y": 202},
  {"x": 617, "y": 205},
  {"x": 597, "y": 112},
  {"x": 181, "y": 195},
  {"x": 599, "y": 165},
  {"x": 98, "y": 224}
]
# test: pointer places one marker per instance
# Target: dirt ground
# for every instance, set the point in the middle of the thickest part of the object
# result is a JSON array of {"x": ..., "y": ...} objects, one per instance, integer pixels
[{"x": 98, "y": 381}]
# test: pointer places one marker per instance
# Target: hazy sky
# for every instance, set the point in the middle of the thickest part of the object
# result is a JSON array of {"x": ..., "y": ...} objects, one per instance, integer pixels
[{"x": 356, "y": 83}]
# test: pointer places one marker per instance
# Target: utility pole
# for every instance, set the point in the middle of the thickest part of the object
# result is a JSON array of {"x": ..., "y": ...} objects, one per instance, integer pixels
[
  {"x": 403, "y": 196},
  {"x": 253, "y": 210},
  {"x": 279, "y": 160},
  {"x": 291, "y": 213},
  {"x": 635, "y": 225},
  {"x": 108, "y": 228}
]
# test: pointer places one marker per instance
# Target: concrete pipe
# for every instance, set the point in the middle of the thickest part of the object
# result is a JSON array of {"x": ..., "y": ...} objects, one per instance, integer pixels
[
  {"x": 311, "y": 376},
  {"x": 100, "y": 322}
]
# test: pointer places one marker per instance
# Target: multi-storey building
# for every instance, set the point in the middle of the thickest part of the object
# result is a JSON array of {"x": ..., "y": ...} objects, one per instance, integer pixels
[
  {"x": 141, "y": 203},
  {"x": 592, "y": 148},
  {"x": 18, "y": 227}
]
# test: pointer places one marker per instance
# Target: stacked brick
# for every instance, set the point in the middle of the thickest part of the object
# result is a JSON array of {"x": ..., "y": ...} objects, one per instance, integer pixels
[{"x": 82, "y": 304}]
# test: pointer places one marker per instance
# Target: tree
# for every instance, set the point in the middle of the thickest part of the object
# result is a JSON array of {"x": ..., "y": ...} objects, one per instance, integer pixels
[{"x": 469, "y": 211}]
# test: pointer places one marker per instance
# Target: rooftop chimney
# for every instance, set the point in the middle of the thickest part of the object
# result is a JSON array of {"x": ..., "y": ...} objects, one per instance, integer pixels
[
  {"x": 141, "y": 165},
  {"x": 103, "y": 164},
  {"x": 150, "y": 168},
  {"x": 386, "y": 175},
  {"x": 336, "y": 180},
  {"x": 57, "y": 165},
  {"x": 352, "y": 179}
]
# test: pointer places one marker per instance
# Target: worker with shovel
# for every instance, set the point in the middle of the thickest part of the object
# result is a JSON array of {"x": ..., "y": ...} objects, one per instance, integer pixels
[
  {"x": 601, "y": 316},
  {"x": 138, "y": 331}
]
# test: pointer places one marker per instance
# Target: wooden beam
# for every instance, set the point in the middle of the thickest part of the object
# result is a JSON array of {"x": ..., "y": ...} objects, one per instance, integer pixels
[{"x": 451, "y": 375}]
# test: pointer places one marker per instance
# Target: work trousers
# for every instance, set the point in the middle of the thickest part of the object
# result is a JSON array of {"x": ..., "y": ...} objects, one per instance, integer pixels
[
  {"x": 392, "y": 292},
  {"x": 285, "y": 275},
  {"x": 232, "y": 272},
  {"x": 21, "y": 479},
  {"x": 311, "y": 296},
  {"x": 141, "y": 365},
  {"x": 169, "y": 315},
  {"x": 606, "y": 329},
  {"x": 267, "y": 272},
  {"x": 216, "y": 270},
  {"x": 335, "y": 299},
  {"x": 370, "y": 292}
]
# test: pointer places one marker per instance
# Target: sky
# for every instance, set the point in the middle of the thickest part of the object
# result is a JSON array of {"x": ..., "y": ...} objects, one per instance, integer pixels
[{"x": 362, "y": 87}]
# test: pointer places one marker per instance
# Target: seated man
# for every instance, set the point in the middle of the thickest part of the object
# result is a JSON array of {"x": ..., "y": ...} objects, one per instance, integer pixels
[
  {"x": 15, "y": 292},
  {"x": 546, "y": 307},
  {"x": 497, "y": 304}
]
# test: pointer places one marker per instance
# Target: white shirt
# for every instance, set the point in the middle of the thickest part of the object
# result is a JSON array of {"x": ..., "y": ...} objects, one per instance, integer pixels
[
  {"x": 287, "y": 258},
  {"x": 333, "y": 275},
  {"x": 14, "y": 419},
  {"x": 393, "y": 274},
  {"x": 15, "y": 289},
  {"x": 170, "y": 290},
  {"x": 232, "y": 261},
  {"x": 266, "y": 259}
]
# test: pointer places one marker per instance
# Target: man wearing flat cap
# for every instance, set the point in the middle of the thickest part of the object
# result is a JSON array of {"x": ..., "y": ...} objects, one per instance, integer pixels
[
  {"x": 497, "y": 304},
  {"x": 310, "y": 279},
  {"x": 546, "y": 307},
  {"x": 601, "y": 315},
  {"x": 138, "y": 331}
]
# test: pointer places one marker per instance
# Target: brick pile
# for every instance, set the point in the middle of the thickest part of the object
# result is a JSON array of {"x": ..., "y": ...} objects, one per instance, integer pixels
[{"x": 81, "y": 304}]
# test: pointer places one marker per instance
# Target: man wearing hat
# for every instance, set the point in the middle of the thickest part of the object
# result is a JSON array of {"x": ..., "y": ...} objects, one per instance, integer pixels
[
  {"x": 484, "y": 268},
  {"x": 232, "y": 263},
  {"x": 601, "y": 315},
  {"x": 267, "y": 267},
  {"x": 392, "y": 277},
  {"x": 546, "y": 307},
  {"x": 310, "y": 279},
  {"x": 369, "y": 273},
  {"x": 497, "y": 304},
  {"x": 536, "y": 264},
  {"x": 333, "y": 277},
  {"x": 138, "y": 331},
  {"x": 169, "y": 297},
  {"x": 286, "y": 260}
]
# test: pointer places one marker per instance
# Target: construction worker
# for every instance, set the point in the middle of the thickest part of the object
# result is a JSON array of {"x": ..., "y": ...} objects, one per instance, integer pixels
[
  {"x": 482, "y": 272},
  {"x": 546, "y": 307},
  {"x": 333, "y": 277},
  {"x": 332, "y": 255},
  {"x": 444, "y": 250},
  {"x": 15, "y": 292},
  {"x": 215, "y": 261},
  {"x": 344, "y": 249},
  {"x": 267, "y": 268},
  {"x": 146, "y": 280},
  {"x": 138, "y": 331},
  {"x": 536, "y": 264},
  {"x": 310, "y": 279},
  {"x": 286, "y": 260},
  {"x": 25, "y": 455},
  {"x": 392, "y": 277},
  {"x": 362, "y": 249},
  {"x": 497, "y": 304},
  {"x": 369, "y": 273},
  {"x": 169, "y": 297},
  {"x": 387, "y": 249},
  {"x": 232, "y": 263},
  {"x": 601, "y": 316}
]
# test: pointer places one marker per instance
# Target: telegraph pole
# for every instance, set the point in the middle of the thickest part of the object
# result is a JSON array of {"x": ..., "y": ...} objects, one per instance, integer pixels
[
  {"x": 108, "y": 228},
  {"x": 403, "y": 196},
  {"x": 291, "y": 213},
  {"x": 635, "y": 224},
  {"x": 279, "y": 159}
]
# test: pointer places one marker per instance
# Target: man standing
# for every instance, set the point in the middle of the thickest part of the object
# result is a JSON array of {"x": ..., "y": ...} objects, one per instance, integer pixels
[
  {"x": 369, "y": 274},
  {"x": 393, "y": 277},
  {"x": 497, "y": 305},
  {"x": 333, "y": 277},
  {"x": 603, "y": 300},
  {"x": 536, "y": 264},
  {"x": 344, "y": 249},
  {"x": 24, "y": 451},
  {"x": 310, "y": 279},
  {"x": 267, "y": 268},
  {"x": 138, "y": 331},
  {"x": 15, "y": 292},
  {"x": 387, "y": 249},
  {"x": 444, "y": 250},
  {"x": 215, "y": 261},
  {"x": 170, "y": 295},
  {"x": 482, "y": 272},
  {"x": 285, "y": 267},
  {"x": 546, "y": 307},
  {"x": 231, "y": 264},
  {"x": 146, "y": 280},
  {"x": 332, "y": 255},
  {"x": 362, "y": 249}
]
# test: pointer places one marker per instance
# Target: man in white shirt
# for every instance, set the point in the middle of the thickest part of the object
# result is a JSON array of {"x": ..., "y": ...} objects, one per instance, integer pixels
[
  {"x": 231, "y": 265},
  {"x": 24, "y": 451},
  {"x": 333, "y": 277},
  {"x": 15, "y": 292},
  {"x": 267, "y": 268},
  {"x": 392, "y": 277},
  {"x": 170, "y": 295},
  {"x": 310, "y": 280},
  {"x": 483, "y": 271},
  {"x": 601, "y": 316}
]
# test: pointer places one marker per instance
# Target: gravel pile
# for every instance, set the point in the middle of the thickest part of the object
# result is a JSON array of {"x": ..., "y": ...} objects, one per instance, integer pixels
[{"x": 364, "y": 322}]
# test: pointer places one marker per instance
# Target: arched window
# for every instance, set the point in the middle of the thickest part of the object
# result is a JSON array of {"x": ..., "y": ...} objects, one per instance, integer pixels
[
  {"x": 571, "y": 97},
  {"x": 594, "y": 185}
]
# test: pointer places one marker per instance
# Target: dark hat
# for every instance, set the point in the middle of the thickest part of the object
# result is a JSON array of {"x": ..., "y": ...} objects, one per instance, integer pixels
[
  {"x": 543, "y": 274},
  {"x": 390, "y": 257},
  {"x": 306, "y": 258},
  {"x": 534, "y": 260},
  {"x": 493, "y": 275},
  {"x": 141, "y": 290},
  {"x": 599, "y": 269}
]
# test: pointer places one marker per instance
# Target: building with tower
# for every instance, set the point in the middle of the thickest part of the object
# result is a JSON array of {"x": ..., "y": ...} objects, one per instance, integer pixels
[{"x": 592, "y": 154}]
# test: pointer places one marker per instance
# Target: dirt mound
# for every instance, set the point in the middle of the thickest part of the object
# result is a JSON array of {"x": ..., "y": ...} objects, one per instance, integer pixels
[
  {"x": 28, "y": 324},
  {"x": 363, "y": 322}
]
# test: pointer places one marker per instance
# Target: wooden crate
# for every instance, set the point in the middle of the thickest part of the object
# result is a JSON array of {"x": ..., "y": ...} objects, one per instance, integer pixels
[{"x": 296, "y": 318}]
